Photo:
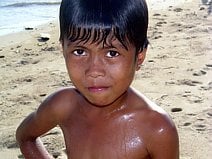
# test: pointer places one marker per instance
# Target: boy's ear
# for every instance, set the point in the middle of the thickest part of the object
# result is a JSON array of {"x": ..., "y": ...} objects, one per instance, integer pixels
[
  {"x": 61, "y": 44},
  {"x": 140, "y": 58}
]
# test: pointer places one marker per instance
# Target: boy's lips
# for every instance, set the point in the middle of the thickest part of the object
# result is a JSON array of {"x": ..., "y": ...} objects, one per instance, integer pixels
[{"x": 95, "y": 89}]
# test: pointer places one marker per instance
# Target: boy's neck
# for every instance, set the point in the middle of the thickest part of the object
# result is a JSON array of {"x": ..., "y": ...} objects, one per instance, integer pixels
[{"x": 91, "y": 110}]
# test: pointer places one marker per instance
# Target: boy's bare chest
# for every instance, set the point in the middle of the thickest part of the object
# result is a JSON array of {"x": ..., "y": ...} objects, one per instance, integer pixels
[{"x": 103, "y": 140}]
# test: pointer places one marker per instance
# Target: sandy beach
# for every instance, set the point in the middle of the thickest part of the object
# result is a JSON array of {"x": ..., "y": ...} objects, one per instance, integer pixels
[{"x": 177, "y": 75}]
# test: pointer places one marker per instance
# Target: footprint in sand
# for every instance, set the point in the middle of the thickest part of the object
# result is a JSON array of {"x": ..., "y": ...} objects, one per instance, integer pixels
[
  {"x": 187, "y": 124},
  {"x": 209, "y": 65},
  {"x": 160, "y": 23},
  {"x": 24, "y": 62},
  {"x": 192, "y": 114},
  {"x": 176, "y": 110},
  {"x": 208, "y": 87},
  {"x": 49, "y": 49},
  {"x": 209, "y": 114},
  {"x": 28, "y": 61},
  {"x": 193, "y": 98},
  {"x": 200, "y": 122},
  {"x": 199, "y": 73},
  {"x": 156, "y": 14},
  {"x": 158, "y": 37},
  {"x": 43, "y": 95},
  {"x": 200, "y": 127},
  {"x": 24, "y": 79},
  {"x": 178, "y": 9},
  {"x": 188, "y": 82}
]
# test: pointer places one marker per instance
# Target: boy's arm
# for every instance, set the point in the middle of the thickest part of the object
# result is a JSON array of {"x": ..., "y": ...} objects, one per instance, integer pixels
[
  {"x": 27, "y": 136},
  {"x": 45, "y": 118},
  {"x": 164, "y": 141}
]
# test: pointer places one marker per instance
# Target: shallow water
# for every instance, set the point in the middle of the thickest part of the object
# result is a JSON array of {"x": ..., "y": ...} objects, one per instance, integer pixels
[
  {"x": 15, "y": 15},
  {"x": 18, "y": 14}
]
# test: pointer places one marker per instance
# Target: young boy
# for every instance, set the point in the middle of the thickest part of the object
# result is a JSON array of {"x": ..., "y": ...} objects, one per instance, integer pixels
[{"x": 104, "y": 42}]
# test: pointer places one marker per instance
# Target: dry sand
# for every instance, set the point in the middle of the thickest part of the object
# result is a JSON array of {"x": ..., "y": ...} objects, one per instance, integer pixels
[{"x": 177, "y": 75}]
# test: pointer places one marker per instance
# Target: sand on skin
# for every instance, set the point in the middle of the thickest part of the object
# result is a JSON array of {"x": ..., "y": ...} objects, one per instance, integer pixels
[{"x": 177, "y": 75}]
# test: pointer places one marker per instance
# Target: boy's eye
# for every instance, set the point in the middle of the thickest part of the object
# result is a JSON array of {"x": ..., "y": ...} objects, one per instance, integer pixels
[
  {"x": 112, "y": 54},
  {"x": 79, "y": 52}
]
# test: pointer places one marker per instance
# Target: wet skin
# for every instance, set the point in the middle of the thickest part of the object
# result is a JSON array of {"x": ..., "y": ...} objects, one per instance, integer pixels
[
  {"x": 113, "y": 135},
  {"x": 103, "y": 117}
]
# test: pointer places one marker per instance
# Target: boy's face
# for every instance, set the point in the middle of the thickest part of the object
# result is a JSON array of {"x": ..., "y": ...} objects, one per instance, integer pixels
[{"x": 101, "y": 73}]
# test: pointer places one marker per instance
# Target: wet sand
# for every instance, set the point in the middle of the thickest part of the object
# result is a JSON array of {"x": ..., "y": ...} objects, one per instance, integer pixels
[{"x": 177, "y": 75}]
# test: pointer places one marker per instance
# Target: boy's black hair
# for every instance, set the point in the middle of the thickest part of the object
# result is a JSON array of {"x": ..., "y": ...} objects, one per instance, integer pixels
[{"x": 126, "y": 20}]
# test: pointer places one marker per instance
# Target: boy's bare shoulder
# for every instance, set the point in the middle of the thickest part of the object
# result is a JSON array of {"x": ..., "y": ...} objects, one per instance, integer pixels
[
  {"x": 61, "y": 103},
  {"x": 153, "y": 114},
  {"x": 157, "y": 121},
  {"x": 156, "y": 127}
]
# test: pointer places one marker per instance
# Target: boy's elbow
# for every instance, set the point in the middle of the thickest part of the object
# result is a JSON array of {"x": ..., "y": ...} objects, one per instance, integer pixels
[
  {"x": 21, "y": 137},
  {"x": 25, "y": 143}
]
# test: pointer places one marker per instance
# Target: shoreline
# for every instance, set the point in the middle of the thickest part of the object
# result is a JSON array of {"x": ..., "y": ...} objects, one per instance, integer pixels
[
  {"x": 21, "y": 36},
  {"x": 176, "y": 75}
]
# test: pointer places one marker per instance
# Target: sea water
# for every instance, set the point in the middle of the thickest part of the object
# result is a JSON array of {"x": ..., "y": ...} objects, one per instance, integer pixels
[{"x": 16, "y": 15}]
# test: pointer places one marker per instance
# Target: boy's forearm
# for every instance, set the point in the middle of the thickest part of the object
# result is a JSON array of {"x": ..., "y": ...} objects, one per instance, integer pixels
[{"x": 34, "y": 150}]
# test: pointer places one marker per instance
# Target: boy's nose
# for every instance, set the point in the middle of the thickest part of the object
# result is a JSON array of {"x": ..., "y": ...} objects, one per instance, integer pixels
[{"x": 96, "y": 67}]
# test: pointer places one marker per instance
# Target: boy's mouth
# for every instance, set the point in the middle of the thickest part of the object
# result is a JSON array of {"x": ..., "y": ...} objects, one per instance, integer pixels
[{"x": 97, "y": 89}]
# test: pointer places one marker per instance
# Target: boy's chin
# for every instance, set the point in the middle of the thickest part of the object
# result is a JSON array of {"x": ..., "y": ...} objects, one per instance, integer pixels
[{"x": 99, "y": 103}]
